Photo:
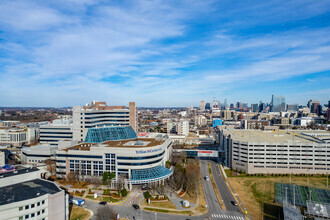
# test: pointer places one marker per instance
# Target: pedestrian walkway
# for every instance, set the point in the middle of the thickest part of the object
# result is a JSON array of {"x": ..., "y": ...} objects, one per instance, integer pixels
[
  {"x": 219, "y": 216},
  {"x": 177, "y": 201}
]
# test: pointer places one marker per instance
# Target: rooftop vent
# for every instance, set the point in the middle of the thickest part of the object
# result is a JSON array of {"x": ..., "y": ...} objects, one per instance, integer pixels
[{"x": 139, "y": 143}]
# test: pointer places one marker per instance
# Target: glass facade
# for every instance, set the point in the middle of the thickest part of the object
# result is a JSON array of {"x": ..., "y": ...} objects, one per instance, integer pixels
[
  {"x": 100, "y": 135},
  {"x": 278, "y": 103},
  {"x": 150, "y": 174}
]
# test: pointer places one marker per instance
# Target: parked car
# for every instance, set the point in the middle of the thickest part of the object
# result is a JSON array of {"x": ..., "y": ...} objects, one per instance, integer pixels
[
  {"x": 207, "y": 178},
  {"x": 136, "y": 206},
  {"x": 234, "y": 203},
  {"x": 77, "y": 201},
  {"x": 103, "y": 203}
]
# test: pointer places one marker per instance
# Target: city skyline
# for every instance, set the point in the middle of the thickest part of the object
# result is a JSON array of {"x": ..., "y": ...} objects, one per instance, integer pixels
[{"x": 157, "y": 53}]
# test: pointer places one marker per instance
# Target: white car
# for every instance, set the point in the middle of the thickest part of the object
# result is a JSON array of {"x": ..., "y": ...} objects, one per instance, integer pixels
[{"x": 207, "y": 178}]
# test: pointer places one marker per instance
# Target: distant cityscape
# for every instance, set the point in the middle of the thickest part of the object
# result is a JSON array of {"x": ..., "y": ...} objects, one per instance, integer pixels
[{"x": 51, "y": 152}]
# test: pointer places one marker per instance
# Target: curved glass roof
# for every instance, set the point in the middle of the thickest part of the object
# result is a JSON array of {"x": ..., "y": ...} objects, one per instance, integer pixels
[
  {"x": 150, "y": 175},
  {"x": 100, "y": 135}
]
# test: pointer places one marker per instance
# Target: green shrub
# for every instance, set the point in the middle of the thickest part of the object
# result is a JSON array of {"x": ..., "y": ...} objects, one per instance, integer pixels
[
  {"x": 124, "y": 192},
  {"x": 147, "y": 195}
]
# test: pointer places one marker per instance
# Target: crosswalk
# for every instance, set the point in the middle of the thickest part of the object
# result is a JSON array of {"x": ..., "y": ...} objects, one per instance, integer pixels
[{"x": 218, "y": 216}]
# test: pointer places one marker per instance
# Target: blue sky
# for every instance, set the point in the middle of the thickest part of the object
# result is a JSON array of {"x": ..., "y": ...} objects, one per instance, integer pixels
[{"x": 163, "y": 53}]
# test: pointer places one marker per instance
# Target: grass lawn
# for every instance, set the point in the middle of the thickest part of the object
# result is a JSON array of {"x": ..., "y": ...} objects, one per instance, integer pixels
[
  {"x": 256, "y": 190},
  {"x": 103, "y": 198},
  {"x": 190, "y": 196},
  {"x": 80, "y": 213},
  {"x": 169, "y": 211},
  {"x": 164, "y": 205}
]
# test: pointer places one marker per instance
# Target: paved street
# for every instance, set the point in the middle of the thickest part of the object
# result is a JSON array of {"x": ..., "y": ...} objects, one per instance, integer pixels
[
  {"x": 126, "y": 210},
  {"x": 223, "y": 188}
]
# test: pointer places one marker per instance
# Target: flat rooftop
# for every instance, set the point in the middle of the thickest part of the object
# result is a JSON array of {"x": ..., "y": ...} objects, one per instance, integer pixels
[
  {"x": 18, "y": 172},
  {"x": 130, "y": 143},
  {"x": 26, "y": 190},
  {"x": 282, "y": 136},
  {"x": 134, "y": 143}
]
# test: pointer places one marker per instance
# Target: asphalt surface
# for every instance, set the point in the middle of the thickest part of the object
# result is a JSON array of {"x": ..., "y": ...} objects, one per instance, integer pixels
[
  {"x": 213, "y": 205},
  {"x": 225, "y": 193}
]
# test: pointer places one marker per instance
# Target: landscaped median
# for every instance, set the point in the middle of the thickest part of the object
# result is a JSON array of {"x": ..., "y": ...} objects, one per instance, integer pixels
[
  {"x": 113, "y": 197},
  {"x": 168, "y": 211},
  {"x": 77, "y": 212}
]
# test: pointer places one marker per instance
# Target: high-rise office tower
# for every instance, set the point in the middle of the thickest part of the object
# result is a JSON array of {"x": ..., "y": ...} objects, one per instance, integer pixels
[
  {"x": 310, "y": 102},
  {"x": 315, "y": 108},
  {"x": 207, "y": 106},
  {"x": 262, "y": 107},
  {"x": 238, "y": 104},
  {"x": 254, "y": 107},
  {"x": 202, "y": 106},
  {"x": 278, "y": 103}
]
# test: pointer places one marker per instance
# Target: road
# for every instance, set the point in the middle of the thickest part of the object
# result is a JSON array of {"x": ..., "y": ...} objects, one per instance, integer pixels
[
  {"x": 225, "y": 193},
  {"x": 214, "y": 209}
]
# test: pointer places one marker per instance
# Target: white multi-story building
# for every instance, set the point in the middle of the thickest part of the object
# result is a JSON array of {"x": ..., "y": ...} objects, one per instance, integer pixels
[
  {"x": 38, "y": 154},
  {"x": 255, "y": 151},
  {"x": 200, "y": 120},
  {"x": 23, "y": 195},
  {"x": 137, "y": 160},
  {"x": 56, "y": 130},
  {"x": 183, "y": 127},
  {"x": 98, "y": 114},
  {"x": 171, "y": 127},
  {"x": 17, "y": 136}
]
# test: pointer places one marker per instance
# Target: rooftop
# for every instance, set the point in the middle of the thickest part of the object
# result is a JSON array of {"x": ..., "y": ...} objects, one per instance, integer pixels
[
  {"x": 102, "y": 134},
  {"x": 131, "y": 143},
  {"x": 285, "y": 136},
  {"x": 18, "y": 172},
  {"x": 27, "y": 190}
]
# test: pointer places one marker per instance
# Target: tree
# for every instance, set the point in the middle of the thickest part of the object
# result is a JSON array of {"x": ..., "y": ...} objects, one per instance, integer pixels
[
  {"x": 105, "y": 213},
  {"x": 192, "y": 176},
  {"x": 123, "y": 192},
  {"x": 51, "y": 166},
  {"x": 111, "y": 176},
  {"x": 147, "y": 195},
  {"x": 105, "y": 177},
  {"x": 71, "y": 177}
]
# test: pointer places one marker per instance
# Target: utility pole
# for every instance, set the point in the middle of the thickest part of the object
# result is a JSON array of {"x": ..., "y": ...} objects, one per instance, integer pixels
[
  {"x": 290, "y": 175},
  {"x": 286, "y": 195},
  {"x": 307, "y": 179},
  {"x": 294, "y": 198}
]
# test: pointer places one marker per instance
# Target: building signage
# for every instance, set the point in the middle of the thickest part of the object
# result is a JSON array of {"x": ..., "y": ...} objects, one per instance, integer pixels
[
  {"x": 207, "y": 153},
  {"x": 148, "y": 151}
]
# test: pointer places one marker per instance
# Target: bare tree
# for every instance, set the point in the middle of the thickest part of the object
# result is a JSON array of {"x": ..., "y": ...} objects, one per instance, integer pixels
[
  {"x": 105, "y": 213},
  {"x": 51, "y": 166},
  {"x": 70, "y": 177},
  {"x": 192, "y": 177}
]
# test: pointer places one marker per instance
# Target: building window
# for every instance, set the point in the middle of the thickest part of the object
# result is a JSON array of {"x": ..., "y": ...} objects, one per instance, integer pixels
[
  {"x": 20, "y": 218},
  {"x": 26, "y": 207},
  {"x": 43, "y": 202},
  {"x": 38, "y": 213},
  {"x": 26, "y": 216},
  {"x": 43, "y": 211},
  {"x": 32, "y": 215},
  {"x": 32, "y": 206},
  {"x": 20, "y": 208}
]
